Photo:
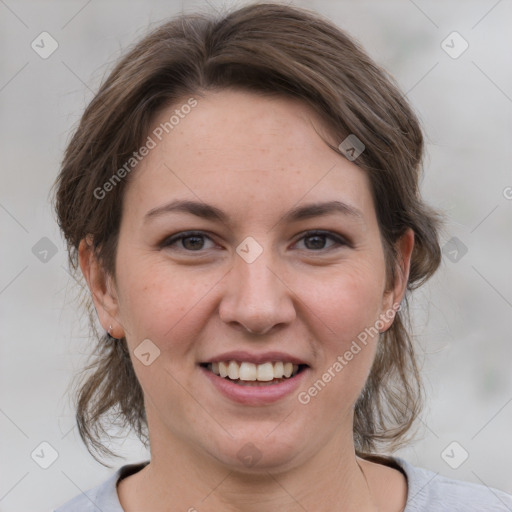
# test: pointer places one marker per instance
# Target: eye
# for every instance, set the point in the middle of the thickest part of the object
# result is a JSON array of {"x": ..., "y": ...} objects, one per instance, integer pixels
[
  {"x": 315, "y": 240},
  {"x": 191, "y": 241}
]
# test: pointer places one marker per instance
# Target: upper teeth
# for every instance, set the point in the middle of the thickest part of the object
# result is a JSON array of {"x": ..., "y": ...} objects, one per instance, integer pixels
[{"x": 251, "y": 371}]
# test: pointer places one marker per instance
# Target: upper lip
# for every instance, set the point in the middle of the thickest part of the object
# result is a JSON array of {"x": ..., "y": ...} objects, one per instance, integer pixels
[{"x": 264, "y": 357}]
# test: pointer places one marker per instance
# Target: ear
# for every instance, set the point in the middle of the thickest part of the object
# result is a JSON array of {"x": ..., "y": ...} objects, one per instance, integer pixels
[
  {"x": 102, "y": 288},
  {"x": 393, "y": 296}
]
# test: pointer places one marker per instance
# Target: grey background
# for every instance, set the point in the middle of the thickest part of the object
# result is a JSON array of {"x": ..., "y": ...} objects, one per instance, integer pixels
[{"x": 463, "y": 317}]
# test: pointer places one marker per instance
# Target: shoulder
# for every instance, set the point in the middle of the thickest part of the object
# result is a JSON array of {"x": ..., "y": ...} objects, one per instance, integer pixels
[
  {"x": 103, "y": 497},
  {"x": 429, "y": 491}
]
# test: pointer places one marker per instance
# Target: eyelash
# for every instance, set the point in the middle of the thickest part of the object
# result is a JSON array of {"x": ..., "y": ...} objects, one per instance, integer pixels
[{"x": 170, "y": 241}]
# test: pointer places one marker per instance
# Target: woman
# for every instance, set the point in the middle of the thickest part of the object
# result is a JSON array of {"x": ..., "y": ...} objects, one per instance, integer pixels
[{"x": 241, "y": 197}]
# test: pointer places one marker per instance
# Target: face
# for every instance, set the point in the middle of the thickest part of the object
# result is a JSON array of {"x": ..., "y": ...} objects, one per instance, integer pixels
[{"x": 253, "y": 274}]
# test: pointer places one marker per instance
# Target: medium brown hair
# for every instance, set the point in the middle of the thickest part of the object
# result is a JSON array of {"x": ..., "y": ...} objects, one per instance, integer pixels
[{"x": 267, "y": 49}]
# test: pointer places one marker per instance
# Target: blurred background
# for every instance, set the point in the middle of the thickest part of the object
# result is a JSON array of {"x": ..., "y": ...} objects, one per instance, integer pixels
[{"x": 452, "y": 59}]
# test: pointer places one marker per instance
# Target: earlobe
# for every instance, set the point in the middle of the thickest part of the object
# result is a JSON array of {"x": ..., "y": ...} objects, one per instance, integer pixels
[{"x": 101, "y": 287}]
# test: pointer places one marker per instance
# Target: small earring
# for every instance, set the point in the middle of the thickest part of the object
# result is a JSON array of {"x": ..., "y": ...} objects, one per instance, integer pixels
[{"x": 108, "y": 333}]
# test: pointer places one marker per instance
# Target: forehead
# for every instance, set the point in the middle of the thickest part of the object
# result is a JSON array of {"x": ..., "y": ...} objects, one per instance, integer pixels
[
  {"x": 247, "y": 150},
  {"x": 232, "y": 124}
]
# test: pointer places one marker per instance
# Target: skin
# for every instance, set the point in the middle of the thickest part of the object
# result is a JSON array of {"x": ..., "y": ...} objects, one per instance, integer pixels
[{"x": 255, "y": 158}]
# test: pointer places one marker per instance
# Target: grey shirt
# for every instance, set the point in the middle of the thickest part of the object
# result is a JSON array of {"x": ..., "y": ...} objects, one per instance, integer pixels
[{"x": 427, "y": 492}]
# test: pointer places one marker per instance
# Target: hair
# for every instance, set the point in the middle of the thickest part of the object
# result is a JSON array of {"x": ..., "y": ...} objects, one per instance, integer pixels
[{"x": 268, "y": 49}]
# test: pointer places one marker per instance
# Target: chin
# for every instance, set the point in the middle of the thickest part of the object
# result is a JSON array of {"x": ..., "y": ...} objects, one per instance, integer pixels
[{"x": 259, "y": 454}]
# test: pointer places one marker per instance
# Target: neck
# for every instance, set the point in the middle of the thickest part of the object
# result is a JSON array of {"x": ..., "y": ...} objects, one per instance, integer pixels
[{"x": 194, "y": 481}]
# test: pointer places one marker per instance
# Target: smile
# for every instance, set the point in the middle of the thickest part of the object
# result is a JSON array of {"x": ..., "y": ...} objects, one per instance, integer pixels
[
  {"x": 246, "y": 372},
  {"x": 254, "y": 384}
]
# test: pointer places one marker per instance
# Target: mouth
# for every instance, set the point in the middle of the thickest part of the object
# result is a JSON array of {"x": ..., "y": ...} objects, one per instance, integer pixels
[
  {"x": 244, "y": 373},
  {"x": 255, "y": 384}
]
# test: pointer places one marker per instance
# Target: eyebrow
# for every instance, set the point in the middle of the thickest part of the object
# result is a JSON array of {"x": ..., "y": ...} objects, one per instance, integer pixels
[{"x": 210, "y": 212}]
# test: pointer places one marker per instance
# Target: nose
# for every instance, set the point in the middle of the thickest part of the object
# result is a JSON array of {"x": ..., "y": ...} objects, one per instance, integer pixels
[{"x": 257, "y": 298}]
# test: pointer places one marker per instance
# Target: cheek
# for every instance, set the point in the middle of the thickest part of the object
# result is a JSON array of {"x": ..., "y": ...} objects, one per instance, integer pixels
[
  {"x": 158, "y": 301},
  {"x": 169, "y": 308},
  {"x": 348, "y": 306},
  {"x": 347, "y": 301}
]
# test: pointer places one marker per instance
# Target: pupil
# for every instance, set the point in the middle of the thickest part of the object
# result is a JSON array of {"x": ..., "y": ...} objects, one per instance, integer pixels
[
  {"x": 319, "y": 238},
  {"x": 192, "y": 246}
]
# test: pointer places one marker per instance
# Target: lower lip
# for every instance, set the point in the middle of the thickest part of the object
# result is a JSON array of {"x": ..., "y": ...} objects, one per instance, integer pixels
[{"x": 255, "y": 395}]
